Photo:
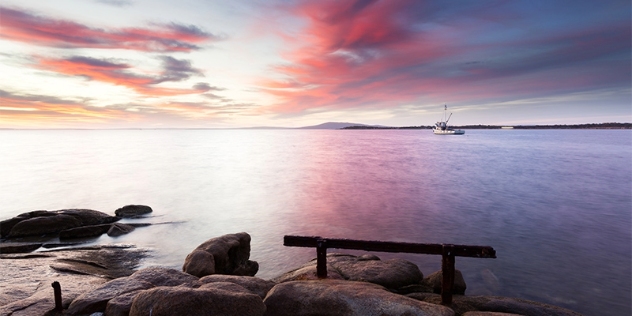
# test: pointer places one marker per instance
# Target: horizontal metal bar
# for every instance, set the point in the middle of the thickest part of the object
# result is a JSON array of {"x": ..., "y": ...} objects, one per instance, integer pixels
[{"x": 387, "y": 246}]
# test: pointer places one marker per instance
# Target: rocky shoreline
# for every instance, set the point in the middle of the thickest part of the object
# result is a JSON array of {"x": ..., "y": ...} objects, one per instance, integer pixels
[{"x": 217, "y": 278}]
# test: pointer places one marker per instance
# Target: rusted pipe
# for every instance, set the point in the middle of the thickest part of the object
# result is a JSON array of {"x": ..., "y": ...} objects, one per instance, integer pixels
[
  {"x": 321, "y": 258},
  {"x": 447, "y": 273},
  {"x": 57, "y": 291}
]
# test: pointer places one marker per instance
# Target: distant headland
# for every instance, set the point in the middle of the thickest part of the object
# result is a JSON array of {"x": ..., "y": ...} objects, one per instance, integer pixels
[{"x": 480, "y": 126}]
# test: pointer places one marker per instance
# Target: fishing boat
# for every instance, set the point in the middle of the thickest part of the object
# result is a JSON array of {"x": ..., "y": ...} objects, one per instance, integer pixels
[{"x": 441, "y": 128}]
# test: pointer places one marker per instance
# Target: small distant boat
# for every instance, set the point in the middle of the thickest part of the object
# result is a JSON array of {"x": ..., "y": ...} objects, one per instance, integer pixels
[{"x": 441, "y": 128}]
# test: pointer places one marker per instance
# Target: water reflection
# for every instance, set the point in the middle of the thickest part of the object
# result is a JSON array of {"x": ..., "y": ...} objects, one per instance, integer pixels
[{"x": 554, "y": 204}]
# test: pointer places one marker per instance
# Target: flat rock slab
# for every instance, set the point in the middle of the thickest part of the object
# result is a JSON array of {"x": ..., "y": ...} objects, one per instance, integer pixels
[
  {"x": 25, "y": 281},
  {"x": 18, "y": 247}
]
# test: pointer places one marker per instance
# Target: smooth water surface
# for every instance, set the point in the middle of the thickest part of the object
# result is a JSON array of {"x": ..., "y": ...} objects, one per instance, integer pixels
[{"x": 555, "y": 204}]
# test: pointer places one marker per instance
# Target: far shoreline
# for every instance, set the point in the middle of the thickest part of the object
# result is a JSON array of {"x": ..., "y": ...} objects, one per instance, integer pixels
[{"x": 610, "y": 126}]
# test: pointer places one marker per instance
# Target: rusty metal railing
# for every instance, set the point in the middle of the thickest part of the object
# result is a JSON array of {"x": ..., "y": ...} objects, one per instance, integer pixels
[{"x": 448, "y": 253}]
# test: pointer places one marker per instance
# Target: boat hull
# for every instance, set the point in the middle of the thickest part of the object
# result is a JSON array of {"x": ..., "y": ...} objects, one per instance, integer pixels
[{"x": 448, "y": 132}]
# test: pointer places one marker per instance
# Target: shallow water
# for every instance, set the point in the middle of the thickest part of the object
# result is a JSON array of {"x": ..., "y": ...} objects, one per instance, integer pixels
[{"x": 555, "y": 204}]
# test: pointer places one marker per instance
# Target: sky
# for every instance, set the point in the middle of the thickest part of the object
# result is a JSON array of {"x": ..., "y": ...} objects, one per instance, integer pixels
[{"x": 231, "y": 64}]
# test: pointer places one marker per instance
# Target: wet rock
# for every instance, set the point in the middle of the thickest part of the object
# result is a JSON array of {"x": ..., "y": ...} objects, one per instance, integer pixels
[
  {"x": 84, "y": 231},
  {"x": 435, "y": 279},
  {"x": 43, "y": 225},
  {"x": 202, "y": 301},
  {"x": 519, "y": 306},
  {"x": 103, "y": 261},
  {"x": 462, "y": 304},
  {"x": 18, "y": 247},
  {"x": 255, "y": 285},
  {"x": 119, "y": 229},
  {"x": 39, "y": 223},
  {"x": 226, "y": 254},
  {"x": 89, "y": 217},
  {"x": 131, "y": 211},
  {"x": 336, "y": 297}
]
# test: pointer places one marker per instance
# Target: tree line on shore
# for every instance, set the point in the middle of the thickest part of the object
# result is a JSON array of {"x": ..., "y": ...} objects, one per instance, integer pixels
[{"x": 480, "y": 126}]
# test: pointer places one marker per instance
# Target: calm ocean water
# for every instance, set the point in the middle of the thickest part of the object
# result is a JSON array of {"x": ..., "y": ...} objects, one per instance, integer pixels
[{"x": 555, "y": 204}]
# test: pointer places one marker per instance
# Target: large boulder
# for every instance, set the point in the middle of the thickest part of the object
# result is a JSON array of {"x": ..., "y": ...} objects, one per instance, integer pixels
[
  {"x": 344, "y": 298},
  {"x": 392, "y": 274},
  {"x": 435, "y": 280},
  {"x": 226, "y": 254},
  {"x": 130, "y": 211},
  {"x": 221, "y": 300}
]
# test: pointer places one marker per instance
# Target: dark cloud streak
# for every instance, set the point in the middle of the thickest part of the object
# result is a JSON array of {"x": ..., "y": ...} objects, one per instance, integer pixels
[{"x": 22, "y": 26}]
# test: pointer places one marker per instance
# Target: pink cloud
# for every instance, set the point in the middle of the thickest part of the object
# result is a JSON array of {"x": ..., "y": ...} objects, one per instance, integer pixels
[
  {"x": 26, "y": 27},
  {"x": 386, "y": 53}
]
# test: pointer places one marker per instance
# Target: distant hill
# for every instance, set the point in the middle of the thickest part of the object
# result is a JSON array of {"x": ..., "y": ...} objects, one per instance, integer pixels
[{"x": 333, "y": 125}]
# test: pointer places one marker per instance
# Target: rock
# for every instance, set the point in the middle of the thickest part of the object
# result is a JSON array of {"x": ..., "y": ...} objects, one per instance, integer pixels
[
  {"x": 393, "y": 273},
  {"x": 119, "y": 229},
  {"x": 491, "y": 281},
  {"x": 120, "y": 305},
  {"x": 130, "y": 211},
  {"x": 18, "y": 247},
  {"x": 43, "y": 225},
  {"x": 7, "y": 225},
  {"x": 159, "y": 276},
  {"x": 229, "y": 254},
  {"x": 25, "y": 285},
  {"x": 203, "y": 301},
  {"x": 435, "y": 279},
  {"x": 90, "y": 217},
  {"x": 199, "y": 263},
  {"x": 522, "y": 307},
  {"x": 462, "y": 304},
  {"x": 84, "y": 231},
  {"x": 38, "y": 223},
  {"x": 255, "y": 285},
  {"x": 489, "y": 314},
  {"x": 307, "y": 272},
  {"x": 97, "y": 299},
  {"x": 103, "y": 261},
  {"x": 335, "y": 297}
]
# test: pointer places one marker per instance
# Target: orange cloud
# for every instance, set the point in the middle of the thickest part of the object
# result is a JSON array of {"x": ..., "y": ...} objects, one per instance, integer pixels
[{"x": 118, "y": 74}]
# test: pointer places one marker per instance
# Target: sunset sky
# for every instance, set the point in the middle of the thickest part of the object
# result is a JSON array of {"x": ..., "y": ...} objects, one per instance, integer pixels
[{"x": 223, "y": 64}]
